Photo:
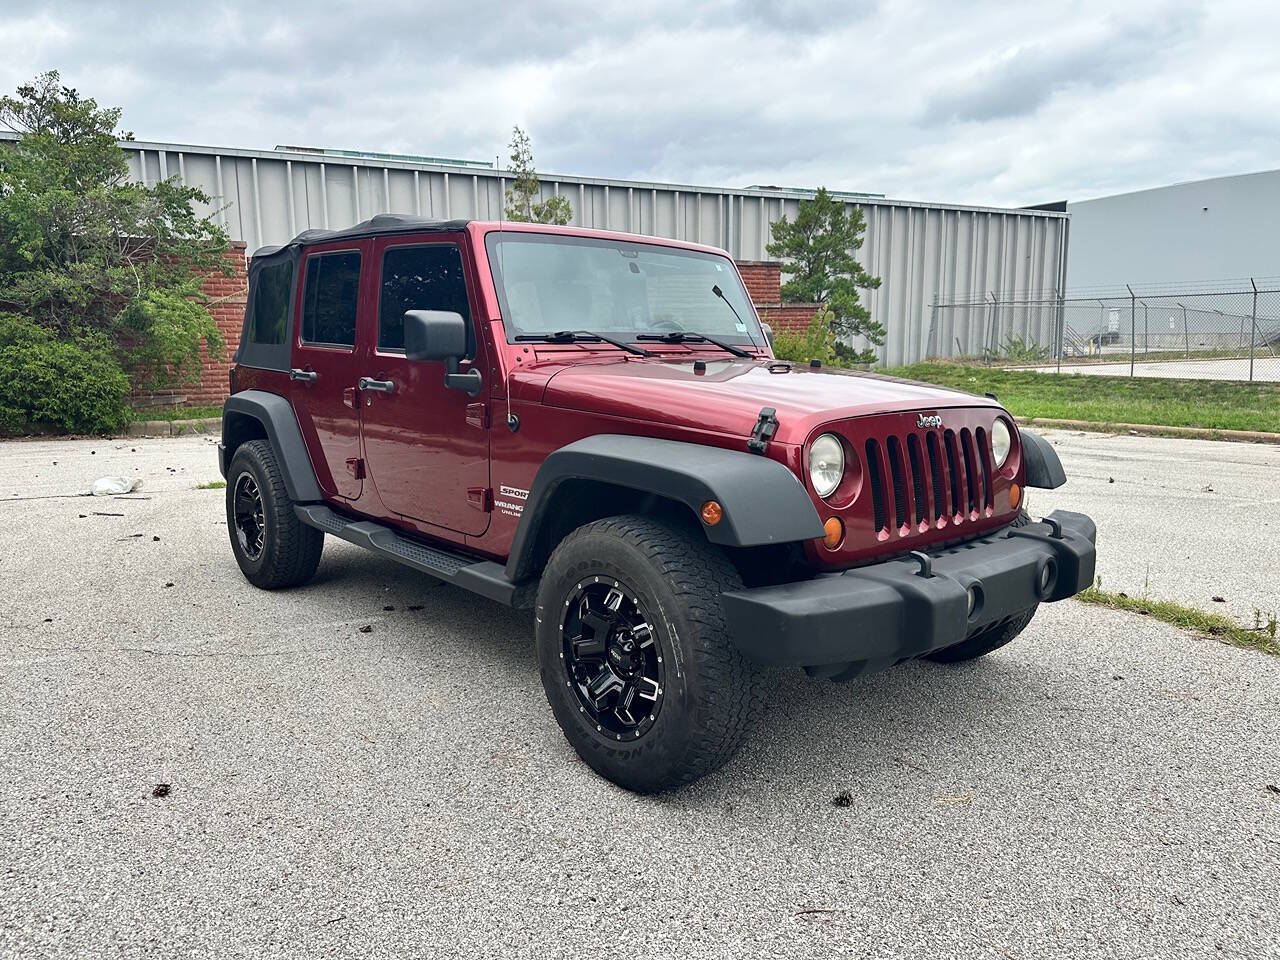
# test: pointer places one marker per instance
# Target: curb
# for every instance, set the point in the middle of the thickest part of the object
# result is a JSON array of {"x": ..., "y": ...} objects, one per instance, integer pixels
[
  {"x": 173, "y": 428},
  {"x": 1154, "y": 430}
]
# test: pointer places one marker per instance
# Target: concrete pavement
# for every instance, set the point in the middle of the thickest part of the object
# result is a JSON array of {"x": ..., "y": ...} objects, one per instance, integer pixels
[{"x": 1105, "y": 786}]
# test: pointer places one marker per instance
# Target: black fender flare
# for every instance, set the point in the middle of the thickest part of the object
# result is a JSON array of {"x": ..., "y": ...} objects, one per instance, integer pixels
[
  {"x": 281, "y": 426},
  {"x": 1044, "y": 469},
  {"x": 763, "y": 502}
]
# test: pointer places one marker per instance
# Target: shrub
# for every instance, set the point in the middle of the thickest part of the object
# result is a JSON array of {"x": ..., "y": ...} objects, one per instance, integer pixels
[
  {"x": 74, "y": 385},
  {"x": 815, "y": 342}
]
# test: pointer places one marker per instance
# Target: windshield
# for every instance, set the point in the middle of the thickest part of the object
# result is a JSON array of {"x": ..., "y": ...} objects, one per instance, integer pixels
[{"x": 550, "y": 283}]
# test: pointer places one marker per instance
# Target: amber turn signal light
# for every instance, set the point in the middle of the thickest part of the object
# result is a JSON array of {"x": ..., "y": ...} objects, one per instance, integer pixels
[
  {"x": 1015, "y": 494},
  {"x": 711, "y": 513},
  {"x": 833, "y": 533}
]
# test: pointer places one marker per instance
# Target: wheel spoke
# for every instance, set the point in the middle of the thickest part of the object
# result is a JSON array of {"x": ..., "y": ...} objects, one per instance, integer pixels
[
  {"x": 246, "y": 503},
  {"x": 651, "y": 688},
  {"x": 592, "y": 646},
  {"x": 606, "y": 683},
  {"x": 613, "y": 600},
  {"x": 625, "y": 699}
]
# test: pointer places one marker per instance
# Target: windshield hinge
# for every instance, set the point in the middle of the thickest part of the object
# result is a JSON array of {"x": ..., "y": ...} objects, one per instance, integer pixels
[{"x": 766, "y": 426}]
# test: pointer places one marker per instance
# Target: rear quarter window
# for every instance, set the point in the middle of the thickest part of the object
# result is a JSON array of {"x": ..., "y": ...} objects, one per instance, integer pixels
[{"x": 272, "y": 295}]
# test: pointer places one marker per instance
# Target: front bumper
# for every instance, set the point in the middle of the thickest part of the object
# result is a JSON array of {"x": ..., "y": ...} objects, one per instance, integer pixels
[{"x": 896, "y": 610}]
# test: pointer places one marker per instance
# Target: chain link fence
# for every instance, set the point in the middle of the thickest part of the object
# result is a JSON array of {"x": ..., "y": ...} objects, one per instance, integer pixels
[{"x": 1229, "y": 331}]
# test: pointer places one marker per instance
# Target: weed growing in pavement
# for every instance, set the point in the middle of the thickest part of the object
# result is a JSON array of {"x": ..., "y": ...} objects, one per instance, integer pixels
[{"x": 1261, "y": 636}]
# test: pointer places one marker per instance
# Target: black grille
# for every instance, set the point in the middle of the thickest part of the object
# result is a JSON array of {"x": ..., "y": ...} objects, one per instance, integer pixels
[
  {"x": 929, "y": 477},
  {"x": 877, "y": 484}
]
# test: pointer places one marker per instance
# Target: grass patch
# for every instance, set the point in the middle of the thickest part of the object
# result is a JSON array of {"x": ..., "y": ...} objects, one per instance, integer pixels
[
  {"x": 212, "y": 485},
  {"x": 1210, "y": 404},
  {"x": 175, "y": 413},
  {"x": 1261, "y": 636}
]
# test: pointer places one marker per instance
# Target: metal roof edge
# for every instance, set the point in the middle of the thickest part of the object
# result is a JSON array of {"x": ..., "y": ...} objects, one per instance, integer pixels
[{"x": 752, "y": 192}]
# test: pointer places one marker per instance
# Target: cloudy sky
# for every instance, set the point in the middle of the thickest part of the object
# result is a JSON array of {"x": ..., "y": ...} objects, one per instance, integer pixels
[{"x": 983, "y": 103}]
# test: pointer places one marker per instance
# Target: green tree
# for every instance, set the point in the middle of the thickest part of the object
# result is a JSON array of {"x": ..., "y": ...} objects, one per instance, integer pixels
[
  {"x": 92, "y": 260},
  {"x": 818, "y": 254},
  {"x": 522, "y": 196}
]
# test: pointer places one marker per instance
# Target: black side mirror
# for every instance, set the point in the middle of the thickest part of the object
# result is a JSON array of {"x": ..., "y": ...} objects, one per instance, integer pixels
[
  {"x": 434, "y": 335},
  {"x": 768, "y": 333},
  {"x": 440, "y": 336}
]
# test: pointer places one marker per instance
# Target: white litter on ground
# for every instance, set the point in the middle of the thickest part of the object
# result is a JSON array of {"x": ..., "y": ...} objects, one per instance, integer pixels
[{"x": 113, "y": 486}]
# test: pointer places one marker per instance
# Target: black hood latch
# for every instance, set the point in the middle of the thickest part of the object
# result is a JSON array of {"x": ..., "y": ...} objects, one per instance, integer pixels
[{"x": 766, "y": 426}]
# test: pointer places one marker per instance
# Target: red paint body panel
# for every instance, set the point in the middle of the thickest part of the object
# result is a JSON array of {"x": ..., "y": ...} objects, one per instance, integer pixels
[
  {"x": 432, "y": 453},
  {"x": 420, "y": 451},
  {"x": 330, "y": 426}
]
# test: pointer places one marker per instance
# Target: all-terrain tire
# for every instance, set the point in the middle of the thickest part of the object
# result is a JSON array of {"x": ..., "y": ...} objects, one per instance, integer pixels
[
  {"x": 290, "y": 550},
  {"x": 995, "y": 636},
  {"x": 711, "y": 695}
]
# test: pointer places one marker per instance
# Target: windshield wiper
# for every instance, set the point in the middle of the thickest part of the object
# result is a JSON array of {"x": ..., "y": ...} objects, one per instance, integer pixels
[
  {"x": 579, "y": 336},
  {"x": 692, "y": 336}
]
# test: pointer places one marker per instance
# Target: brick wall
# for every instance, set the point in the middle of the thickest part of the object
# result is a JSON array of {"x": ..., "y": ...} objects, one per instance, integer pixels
[
  {"x": 226, "y": 302},
  {"x": 787, "y": 316},
  {"x": 763, "y": 280},
  {"x": 227, "y": 299}
]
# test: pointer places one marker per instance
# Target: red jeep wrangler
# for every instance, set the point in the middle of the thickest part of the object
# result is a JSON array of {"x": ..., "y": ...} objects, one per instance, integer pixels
[{"x": 593, "y": 425}]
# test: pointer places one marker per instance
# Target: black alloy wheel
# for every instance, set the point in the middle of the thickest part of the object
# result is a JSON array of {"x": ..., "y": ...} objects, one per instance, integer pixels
[
  {"x": 636, "y": 661},
  {"x": 610, "y": 658},
  {"x": 272, "y": 547},
  {"x": 250, "y": 517}
]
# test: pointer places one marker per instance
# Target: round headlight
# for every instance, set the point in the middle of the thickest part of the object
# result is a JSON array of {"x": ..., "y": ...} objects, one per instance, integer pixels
[
  {"x": 1001, "y": 441},
  {"x": 826, "y": 464}
]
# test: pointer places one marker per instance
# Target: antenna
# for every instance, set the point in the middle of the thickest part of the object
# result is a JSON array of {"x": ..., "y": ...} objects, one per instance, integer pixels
[
  {"x": 513, "y": 422},
  {"x": 746, "y": 327}
]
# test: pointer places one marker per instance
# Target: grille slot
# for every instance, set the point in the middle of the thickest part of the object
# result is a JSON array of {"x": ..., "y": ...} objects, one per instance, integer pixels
[
  {"x": 954, "y": 471},
  {"x": 935, "y": 472},
  {"x": 917, "y": 477},
  {"x": 899, "y": 484},
  {"x": 984, "y": 458},
  {"x": 970, "y": 476},
  {"x": 877, "y": 485}
]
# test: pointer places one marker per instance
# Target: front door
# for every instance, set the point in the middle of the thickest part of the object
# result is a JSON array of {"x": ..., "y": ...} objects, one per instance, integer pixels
[
  {"x": 426, "y": 446},
  {"x": 324, "y": 358}
]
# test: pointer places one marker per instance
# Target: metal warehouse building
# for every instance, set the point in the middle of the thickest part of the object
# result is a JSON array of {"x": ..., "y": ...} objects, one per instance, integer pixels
[
  {"x": 1207, "y": 230},
  {"x": 924, "y": 252}
]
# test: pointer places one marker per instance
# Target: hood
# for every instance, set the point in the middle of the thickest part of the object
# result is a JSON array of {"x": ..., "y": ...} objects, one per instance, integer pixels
[{"x": 728, "y": 396}]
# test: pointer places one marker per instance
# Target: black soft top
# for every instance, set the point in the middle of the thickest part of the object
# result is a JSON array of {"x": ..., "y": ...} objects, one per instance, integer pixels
[
  {"x": 267, "y": 336},
  {"x": 374, "y": 226}
]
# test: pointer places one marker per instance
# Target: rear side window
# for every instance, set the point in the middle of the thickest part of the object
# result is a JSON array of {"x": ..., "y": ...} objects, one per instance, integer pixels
[
  {"x": 271, "y": 301},
  {"x": 420, "y": 278},
  {"x": 329, "y": 298}
]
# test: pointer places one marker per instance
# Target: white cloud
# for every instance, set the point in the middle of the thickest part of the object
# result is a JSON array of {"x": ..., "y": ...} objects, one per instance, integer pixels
[{"x": 989, "y": 103}]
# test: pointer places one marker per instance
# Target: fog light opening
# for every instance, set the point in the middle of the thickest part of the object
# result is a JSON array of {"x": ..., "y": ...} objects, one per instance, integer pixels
[
  {"x": 1047, "y": 580},
  {"x": 975, "y": 600}
]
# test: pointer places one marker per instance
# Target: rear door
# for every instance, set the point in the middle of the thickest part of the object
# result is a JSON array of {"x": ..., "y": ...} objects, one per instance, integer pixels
[
  {"x": 426, "y": 446},
  {"x": 324, "y": 358}
]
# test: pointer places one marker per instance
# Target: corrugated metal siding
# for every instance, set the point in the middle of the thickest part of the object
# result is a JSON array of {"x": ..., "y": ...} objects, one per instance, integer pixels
[{"x": 923, "y": 252}]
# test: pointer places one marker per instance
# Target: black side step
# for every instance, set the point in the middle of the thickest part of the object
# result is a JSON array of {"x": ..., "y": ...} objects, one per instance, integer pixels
[{"x": 484, "y": 577}]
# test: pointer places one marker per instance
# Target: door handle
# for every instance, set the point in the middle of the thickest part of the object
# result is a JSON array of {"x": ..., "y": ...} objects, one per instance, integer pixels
[
  {"x": 306, "y": 376},
  {"x": 377, "y": 386}
]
